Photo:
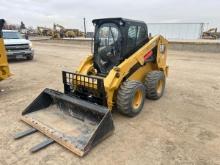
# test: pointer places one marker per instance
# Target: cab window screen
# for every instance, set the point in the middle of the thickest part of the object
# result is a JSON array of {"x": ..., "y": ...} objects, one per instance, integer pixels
[
  {"x": 132, "y": 35},
  {"x": 141, "y": 35},
  {"x": 108, "y": 35}
]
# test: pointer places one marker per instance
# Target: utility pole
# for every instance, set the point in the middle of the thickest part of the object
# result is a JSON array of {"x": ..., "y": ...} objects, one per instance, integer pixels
[{"x": 84, "y": 22}]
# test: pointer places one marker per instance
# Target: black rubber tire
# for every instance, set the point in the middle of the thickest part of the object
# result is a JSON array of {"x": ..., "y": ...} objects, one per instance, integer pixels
[
  {"x": 151, "y": 81},
  {"x": 30, "y": 57},
  {"x": 125, "y": 96}
]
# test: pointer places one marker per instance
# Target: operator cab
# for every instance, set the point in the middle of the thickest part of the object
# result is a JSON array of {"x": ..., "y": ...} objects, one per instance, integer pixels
[{"x": 115, "y": 40}]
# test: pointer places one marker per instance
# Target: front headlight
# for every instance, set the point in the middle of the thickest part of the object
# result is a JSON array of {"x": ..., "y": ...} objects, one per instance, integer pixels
[{"x": 30, "y": 45}]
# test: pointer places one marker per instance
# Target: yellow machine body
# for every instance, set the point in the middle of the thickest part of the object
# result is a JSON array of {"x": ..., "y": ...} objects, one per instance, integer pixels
[
  {"x": 80, "y": 118},
  {"x": 4, "y": 67},
  {"x": 117, "y": 75}
]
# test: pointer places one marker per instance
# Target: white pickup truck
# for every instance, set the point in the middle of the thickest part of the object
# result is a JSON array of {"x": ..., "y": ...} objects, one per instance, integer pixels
[{"x": 16, "y": 46}]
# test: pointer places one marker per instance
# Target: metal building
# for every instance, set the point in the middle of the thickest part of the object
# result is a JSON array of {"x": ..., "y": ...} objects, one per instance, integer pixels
[{"x": 177, "y": 31}]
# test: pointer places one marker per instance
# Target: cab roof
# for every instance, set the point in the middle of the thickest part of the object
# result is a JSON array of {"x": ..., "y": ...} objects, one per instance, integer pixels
[{"x": 117, "y": 19}]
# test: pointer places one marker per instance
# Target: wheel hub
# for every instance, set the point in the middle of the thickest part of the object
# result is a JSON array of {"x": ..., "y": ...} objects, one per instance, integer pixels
[
  {"x": 137, "y": 99},
  {"x": 160, "y": 86}
]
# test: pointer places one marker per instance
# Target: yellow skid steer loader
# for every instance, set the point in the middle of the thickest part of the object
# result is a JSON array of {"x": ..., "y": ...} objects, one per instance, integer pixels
[
  {"x": 125, "y": 67},
  {"x": 4, "y": 68}
]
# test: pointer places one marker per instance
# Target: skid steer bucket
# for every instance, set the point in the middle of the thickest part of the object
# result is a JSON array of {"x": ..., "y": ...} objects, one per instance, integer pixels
[{"x": 76, "y": 124}]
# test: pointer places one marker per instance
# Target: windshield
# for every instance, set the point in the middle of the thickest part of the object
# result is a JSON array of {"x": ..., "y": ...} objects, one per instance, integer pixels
[
  {"x": 107, "y": 36},
  {"x": 11, "y": 35},
  {"x": 107, "y": 47}
]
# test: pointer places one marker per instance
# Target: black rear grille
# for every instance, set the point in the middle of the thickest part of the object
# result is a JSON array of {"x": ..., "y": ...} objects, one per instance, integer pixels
[
  {"x": 17, "y": 47},
  {"x": 87, "y": 87}
]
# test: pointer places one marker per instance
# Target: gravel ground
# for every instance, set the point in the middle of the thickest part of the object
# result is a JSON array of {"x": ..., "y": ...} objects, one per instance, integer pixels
[{"x": 183, "y": 127}]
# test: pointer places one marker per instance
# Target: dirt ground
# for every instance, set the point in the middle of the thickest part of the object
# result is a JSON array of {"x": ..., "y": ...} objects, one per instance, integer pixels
[{"x": 183, "y": 127}]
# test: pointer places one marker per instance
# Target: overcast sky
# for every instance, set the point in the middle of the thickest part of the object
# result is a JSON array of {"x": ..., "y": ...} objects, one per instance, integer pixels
[{"x": 70, "y": 13}]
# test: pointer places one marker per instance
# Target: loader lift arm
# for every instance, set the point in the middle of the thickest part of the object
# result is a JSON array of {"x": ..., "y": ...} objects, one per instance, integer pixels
[{"x": 117, "y": 75}]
